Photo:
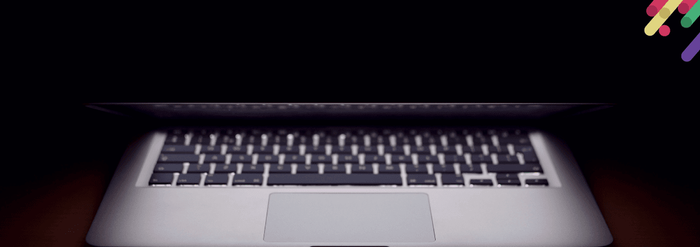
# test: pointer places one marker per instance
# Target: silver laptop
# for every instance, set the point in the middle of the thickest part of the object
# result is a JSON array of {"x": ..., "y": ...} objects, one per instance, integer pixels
[{"x": 332, "y": 174}]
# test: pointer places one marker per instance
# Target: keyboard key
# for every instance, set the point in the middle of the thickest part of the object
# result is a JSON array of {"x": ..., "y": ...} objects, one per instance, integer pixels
[
  {"x": 452, "y": 179},
  {"x": 202, "y": 132},
  {"x": 237, "y": 150},
  {"x": 420, "y": 150},
  {"x": 307, "y": 168},
  {"x": 378, "y": 140},
  {"x": 373, "y": 158},
  {"x": 481, "y": 182},
  {"x": 507, "y": 176},
  {"x": 303, "y": 139},
  {"x": 421, "y": 179},
  {"x": 354, "y": 140},
  {"x": 334, "y": 169},
  {"x": 502, "y": 149},
  {"x": 200, "y": 139},
  {"x": 295, "y": 159},
  {"x": 444, "y": 168},
  {"x": 514, "y": 139},
  {"x": 225, "y": 168},
  {"x": 334, "y": 179},
  {"x": 394, "y": 150},
  {"x": 530, "y": 158},
  {"x": 289, "y": 150},
  {"x": 211, "y": 150},
  {"x": 176, "y": 132},
  {"x": 273, "y": 139},
  {"x": 280, "y": 168},
  {"x": 214, "y": 158},
  {"x": 472, "y": 150},
  {"x": 282, "y": 132},
  {"x": 328, "y": 140},
  {"x": 514, "y": 168},
  {"x": 341, "y": 150},
  {"x": 189, "y": 179},
  {"x": 198, "y": 168},
  {"x": 168, "y": 167},
  {"x": 478, "y": 140},
  {"x": 226, "y": 139},
  {"x": 470, "y": 168},
  {"x": 457, "y": 140},
  {"x": 446, "y": 149},
  {"x": 338, "y": 131},
  {"x": 237, "y": 158},
  {"x": 250, "y": 168},
  {"x": 357, "y": 168},
  {"x": 425, "y": 159},
  {"x": 389, "y": 169},
  {"x": 437, "y": 132},
  {"x": 523, "y": 149},
  {"x": 175, "y": 139},
  {"x": 511, "y": 132},
  {"x": 268, "y": 158},
  {"x": 536, "y": 182},
  {"x": 490, "y": 132},
  {"x": 367, "y": 150},
  {"x": 262, "y": 149},
  {"x": 178, "y": 149},
  {"x": 161, "y": 178},
  {"x": 405, "y": 140},
  {"x": 318, "y": 159},
  {"x": 416, "y": 169},
  {"x": 398, "y": 159},
  {"x": 216, "y": 179},
  {"x": 528, "y": 152},
  {"x": 480, "y": 158},
  {"x": 451, "y": 159},
  {"x": 507, "y": 159},
  {"x": 508, "y": 182},
  {"x": 251, "y": 140},
  {"x": 230, "y": 132},
  {"x": 346, "y": 158},
  {"x": 315, "y": 149},
  {"x": 431, "y": 140},
  {"x": 175, "y": 158},
  {"x": 247, "y": 179}
]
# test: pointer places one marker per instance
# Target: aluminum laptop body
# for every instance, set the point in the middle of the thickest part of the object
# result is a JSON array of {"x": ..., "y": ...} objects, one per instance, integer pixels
[{"x": 447, "y": 204}]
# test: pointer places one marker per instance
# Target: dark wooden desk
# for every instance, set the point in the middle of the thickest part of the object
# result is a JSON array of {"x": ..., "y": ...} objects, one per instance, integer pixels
[{"x": 54, "y": 199}]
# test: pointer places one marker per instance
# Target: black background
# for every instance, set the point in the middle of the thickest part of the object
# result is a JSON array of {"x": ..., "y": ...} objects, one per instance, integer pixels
[{"x": 636, "y": 156}]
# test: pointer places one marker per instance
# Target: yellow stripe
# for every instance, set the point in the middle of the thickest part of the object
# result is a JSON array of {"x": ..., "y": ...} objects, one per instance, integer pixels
[{"x": 661, "y": 17}]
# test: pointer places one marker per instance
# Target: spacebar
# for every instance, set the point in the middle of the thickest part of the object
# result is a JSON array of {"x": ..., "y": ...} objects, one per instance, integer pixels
[{"x": 334, "y": 179}]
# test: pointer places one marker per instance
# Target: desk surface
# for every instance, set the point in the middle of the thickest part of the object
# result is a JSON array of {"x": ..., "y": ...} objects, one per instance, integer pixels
[{"x": 55, "y": 205}]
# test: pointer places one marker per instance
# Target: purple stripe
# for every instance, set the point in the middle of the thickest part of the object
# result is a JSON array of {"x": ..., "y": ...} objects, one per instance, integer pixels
[{"x": 692, "y": 49}]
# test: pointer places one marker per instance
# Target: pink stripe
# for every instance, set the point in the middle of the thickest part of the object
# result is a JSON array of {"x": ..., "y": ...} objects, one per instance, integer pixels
[
  {"x": 686, "y": 5},
  {"x": 655, "y": 6}
]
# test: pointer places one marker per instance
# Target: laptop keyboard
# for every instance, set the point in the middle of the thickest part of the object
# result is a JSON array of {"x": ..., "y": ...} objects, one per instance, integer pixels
[{"x": 347, "y": 157}]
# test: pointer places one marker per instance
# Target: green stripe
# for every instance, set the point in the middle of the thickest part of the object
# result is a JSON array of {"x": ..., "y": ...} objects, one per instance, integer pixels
[{"x": 691, "y": 16}]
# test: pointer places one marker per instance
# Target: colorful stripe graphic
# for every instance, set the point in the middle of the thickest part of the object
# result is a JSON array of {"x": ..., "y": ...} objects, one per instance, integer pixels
[
  {"x": 691, "y": 16},
  {"x": 655, "y": 6},
  {"x": 661, "y": 17},
  {"x": 664, "y": 30},
  {"x": 686, "y": 5},
  {"x": 692, "y": 49}
]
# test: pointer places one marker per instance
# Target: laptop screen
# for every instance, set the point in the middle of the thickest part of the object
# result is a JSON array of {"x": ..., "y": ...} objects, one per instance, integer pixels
[{"x": 340, "y": 111}]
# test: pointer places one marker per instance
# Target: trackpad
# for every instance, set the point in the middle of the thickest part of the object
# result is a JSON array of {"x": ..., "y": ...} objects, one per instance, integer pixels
[{"x": 321, "y": 217}]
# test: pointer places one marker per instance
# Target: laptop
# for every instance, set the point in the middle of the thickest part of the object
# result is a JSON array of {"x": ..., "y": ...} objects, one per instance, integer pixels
[{"x": 348, "y": 174}]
